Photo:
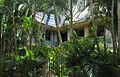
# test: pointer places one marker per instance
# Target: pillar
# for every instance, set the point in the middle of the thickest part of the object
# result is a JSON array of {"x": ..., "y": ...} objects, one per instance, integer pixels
[
  {"x": 86, "y": 30},
  {"x": 55, "y": 37},
  {"x": 68, "y": 35},
  {"x": 52, "y": 37}
]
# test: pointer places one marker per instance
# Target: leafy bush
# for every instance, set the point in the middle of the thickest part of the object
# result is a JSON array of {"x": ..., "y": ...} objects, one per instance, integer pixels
[
  {"x": 85, "y": 60},
  {"x": 19, "y": 65}
]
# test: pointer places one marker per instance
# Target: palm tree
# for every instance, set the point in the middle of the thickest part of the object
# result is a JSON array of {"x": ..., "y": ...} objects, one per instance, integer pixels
[{"x": 94, "y": 24}]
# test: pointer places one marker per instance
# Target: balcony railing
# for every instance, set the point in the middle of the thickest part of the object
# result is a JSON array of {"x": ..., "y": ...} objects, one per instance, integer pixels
[{"x": 51, "y": 43}]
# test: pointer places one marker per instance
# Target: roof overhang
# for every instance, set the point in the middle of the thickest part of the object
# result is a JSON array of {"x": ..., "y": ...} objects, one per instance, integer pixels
[{"x": 75, "y": 26}]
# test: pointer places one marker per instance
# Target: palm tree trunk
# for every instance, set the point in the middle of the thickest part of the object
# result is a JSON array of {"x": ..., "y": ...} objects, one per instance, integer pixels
[
  {"x": 69, "y": 35},
  {"x": 119, "y": 27},
  {"x": 14, "y": 29},
  {"x": 105, "y": 39},
  {"x": 114, "y": 25},
  {"x": 94, "y": 26},
  {"x": 41, "y": 26},
  {"x": 71, "y": 15},
  {"x": 58, "y": 30},
  {"x": 0, "y": 34},
  {"x": 3, "y": 38},
  {"x": 1, "y": 46}
]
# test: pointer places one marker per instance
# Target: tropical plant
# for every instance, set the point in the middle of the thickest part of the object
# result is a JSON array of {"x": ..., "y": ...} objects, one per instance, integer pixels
[
  {"x": 22, "y": 46},
  {"x": 24, "y": 63},
  {"x": 85, "y": 60}
]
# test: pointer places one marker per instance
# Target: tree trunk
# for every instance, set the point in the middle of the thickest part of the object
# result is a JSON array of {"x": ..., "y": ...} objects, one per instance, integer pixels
[
  {"x": 42, "y": 26},
  {"x": 13, "y": 29},
  {"x": 0, "y": 34},
  {"x": 114, "y": 25},
  {"x": 58, "y": 30},
  {"x": 94, "y": 25},
  {"x": 119, "y": 27},
  {"x": 71, "y": 17}
]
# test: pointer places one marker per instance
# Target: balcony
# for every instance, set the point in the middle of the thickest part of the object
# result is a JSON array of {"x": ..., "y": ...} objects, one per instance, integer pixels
[{"x": 51, "y": 43}]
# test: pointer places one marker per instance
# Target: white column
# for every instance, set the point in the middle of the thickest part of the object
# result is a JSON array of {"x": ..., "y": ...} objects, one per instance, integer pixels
[
  {"x": 51, "y": 37},
  {"x": 68, "y": 35},
  {"x": 108, "y": 39},
  {"x": 55, "y": 37},
  {"x": 86, "y": 30}
]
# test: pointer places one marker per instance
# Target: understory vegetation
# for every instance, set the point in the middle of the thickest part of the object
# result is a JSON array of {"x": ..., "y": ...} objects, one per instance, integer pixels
[{"x": 24, "y": 53}]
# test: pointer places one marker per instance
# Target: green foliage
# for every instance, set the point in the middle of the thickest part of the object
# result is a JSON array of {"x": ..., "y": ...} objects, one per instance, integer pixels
[
  {"x": 1, "y": 2},
  {"x": 57, "y": 61},
  {"x": 22, "y": 57},
  {"x": 28, "y": 64},
  {"x": 26, "y": 53},
  {"x": 83, "y": 57}
]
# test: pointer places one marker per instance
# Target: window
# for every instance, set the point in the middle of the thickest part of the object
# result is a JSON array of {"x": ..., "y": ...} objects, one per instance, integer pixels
[
  {"x": 100, "y": 31},
  {"x": 80, "y": 32},
  {"x": 47, "y": 36},
  {"x": 64, "y": 36}
]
